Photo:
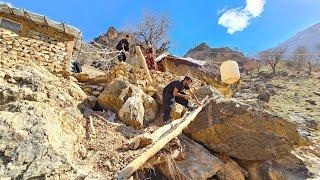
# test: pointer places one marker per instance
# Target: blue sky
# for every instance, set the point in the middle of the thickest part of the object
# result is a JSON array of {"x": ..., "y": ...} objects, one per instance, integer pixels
[{"x": 192, "y": 21}]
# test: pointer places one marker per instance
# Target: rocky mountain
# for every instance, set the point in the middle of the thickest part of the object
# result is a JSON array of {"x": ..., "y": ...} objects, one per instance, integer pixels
[
  {"x": 308, "y": 38},
  {"x": 205, "y": 52},
  {"x": 112, "y": 37}
]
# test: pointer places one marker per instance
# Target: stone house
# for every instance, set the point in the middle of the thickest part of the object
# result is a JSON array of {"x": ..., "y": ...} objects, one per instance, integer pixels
[
  {"x": 180, "y": 65},
  {"x": 30, "y": 36}
]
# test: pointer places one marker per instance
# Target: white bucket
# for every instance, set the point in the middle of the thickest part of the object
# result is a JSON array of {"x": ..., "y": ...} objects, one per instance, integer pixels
[{"x": 229, "y": 72}]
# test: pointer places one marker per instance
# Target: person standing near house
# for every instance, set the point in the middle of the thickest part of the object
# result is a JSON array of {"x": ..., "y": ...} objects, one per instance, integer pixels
[
  {"x": 174, "y": 92},
  {"x": 150, "y": 58},
  {"x": 123, "y": 45}
]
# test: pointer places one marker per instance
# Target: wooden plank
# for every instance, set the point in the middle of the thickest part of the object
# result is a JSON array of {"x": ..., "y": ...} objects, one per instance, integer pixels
[
  {"x": 209, "y": 114},
  {"x": 143, "y": 62},
  {"x": 158, "y": 145},
  {"x": 146, "y": 139},
  {"x": 156, "y": 160}
]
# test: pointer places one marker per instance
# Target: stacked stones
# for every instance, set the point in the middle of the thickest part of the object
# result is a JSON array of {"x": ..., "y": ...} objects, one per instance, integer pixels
[
  {"x": 137, "y": 76},
  {"x": 36, "y": 49},
  {"x": 40, "y": 36}
]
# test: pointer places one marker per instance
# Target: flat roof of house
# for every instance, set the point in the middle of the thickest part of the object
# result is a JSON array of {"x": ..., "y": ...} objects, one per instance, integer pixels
[
  {"x": 188, "y": 59},
  {"x": 8, "y": 9}
]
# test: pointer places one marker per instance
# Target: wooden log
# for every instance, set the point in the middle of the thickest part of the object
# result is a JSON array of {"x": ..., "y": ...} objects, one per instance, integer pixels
[
  {"x": 158, "y": 145},
  {"x": 143, "y": 62},
  {"x": 91, "y": 124},
  {"x": 209, "y": 114},
  {"x": 156, "y": 160},
  {"x": 146, "y": 139}
]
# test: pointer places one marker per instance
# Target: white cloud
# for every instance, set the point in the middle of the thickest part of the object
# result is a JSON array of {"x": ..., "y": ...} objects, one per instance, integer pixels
[
  {"x": 238, "y": 19},
  {"x": 234, "y": 20},
  {"x": 255, "y": 7}
]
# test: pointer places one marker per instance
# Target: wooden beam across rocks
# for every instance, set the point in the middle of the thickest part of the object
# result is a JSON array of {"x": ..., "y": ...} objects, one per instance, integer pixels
[{"x": 176, "y": 129}]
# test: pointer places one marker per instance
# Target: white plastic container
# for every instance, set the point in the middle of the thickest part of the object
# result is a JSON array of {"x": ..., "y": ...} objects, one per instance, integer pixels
[{"x": 229, "y": 71}]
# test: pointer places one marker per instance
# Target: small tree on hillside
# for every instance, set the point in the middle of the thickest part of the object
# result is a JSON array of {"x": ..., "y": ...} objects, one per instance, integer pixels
[
  {"x": 272, "y": 58},
  {"x": 249, "y": 66},
  {"x": 153, "y": 29},
  {"x": 317, "y": 59},
  {"x": 262, "y": 61},
  {"x": 299, "y": 58},
  {"x": 259, "y": 65},
  {"x": 310, "y": 66}
]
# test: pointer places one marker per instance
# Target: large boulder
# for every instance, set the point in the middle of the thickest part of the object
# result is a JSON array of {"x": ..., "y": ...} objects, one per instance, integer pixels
[
  {"x": 133, "y": 106},
  {"x": 41, "y": 126},
  {"x": 132, "y": 111},
  {"x": 40, "y": 143},
  {"x": 151, "y": 108},
  {"x": 230, "y": 171},
  {"x": 199, "y": 162},
  {"x": 82, "y": 77},
  {"x": 243, "y": 131},
  {"x": 208, "y": 90},
  {"x": 288, "y": 167},
  {"x": 158, "y": 95},
  {"x": 114, "y": 95},
  {"x": 177, "y": 111},
  {"x": 88, "y": 73}
]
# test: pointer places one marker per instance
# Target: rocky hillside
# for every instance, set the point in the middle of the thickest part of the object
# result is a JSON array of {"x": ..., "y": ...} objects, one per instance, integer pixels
[
  {"x": 59, "y": 125},
  {"x": 232, "y": 121},
  {"x": 41, "y": 126},
  {"x": 83, "y": 127},
  {"x": 206, "y": 53},
  {"x": 308, "y": 38},
  {"x": 286, "y": 94}
]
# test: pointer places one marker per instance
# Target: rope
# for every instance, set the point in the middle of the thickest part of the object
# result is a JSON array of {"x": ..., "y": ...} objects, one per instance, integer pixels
[
  {"x": 100, "y": 52},
  {"x": 112, "y": 57},
  {"x": 297, "y": 54}
]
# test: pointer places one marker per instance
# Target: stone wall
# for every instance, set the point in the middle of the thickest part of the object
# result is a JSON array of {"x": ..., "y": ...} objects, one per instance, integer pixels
[
  {"x": 40, "y": 49},
  {"x": 36, "y": 34}
]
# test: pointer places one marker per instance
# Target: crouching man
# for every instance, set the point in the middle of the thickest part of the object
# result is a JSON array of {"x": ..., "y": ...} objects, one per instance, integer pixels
[{"x": 174, "y": 92}]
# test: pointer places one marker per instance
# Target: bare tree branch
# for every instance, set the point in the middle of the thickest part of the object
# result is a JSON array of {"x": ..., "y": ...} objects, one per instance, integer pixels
[
  {"x": 273, "y": 58},
  {"x": 299, "y": 58},
  {"x": 153, "y": 29}
]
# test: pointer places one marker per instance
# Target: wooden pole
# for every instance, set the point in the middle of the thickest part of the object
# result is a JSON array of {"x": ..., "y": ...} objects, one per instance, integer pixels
[
  {"x": 146, "y": 139},
  {"x": 143, "y": 62},
  {"x": 209, "y": 114},
  {"x": 155, "y": 160},
  {"x": 91, "y": 124},
  {"x": 158, "y": 145}
]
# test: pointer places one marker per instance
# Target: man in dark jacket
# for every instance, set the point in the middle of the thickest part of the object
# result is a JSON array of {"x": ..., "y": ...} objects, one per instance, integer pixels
[
  {"x": 123, "y": 45},
  {"x": 174, "y": 92}
]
